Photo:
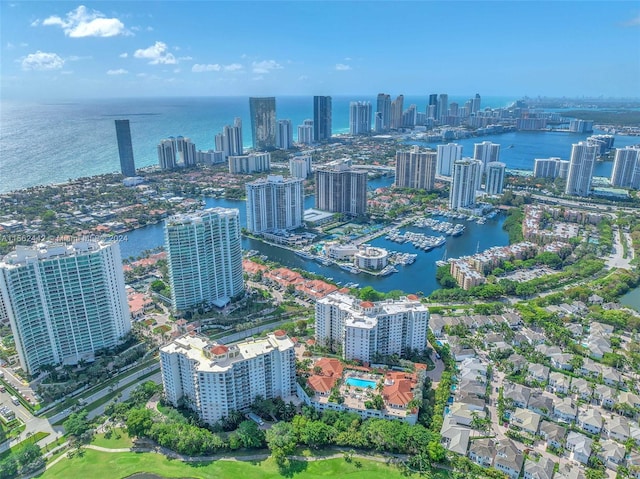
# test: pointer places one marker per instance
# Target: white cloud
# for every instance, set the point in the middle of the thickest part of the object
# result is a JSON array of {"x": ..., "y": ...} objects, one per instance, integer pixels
[
  {"x": 634, "y": 22},
  {"x": 156, "y": 54},
  {"x": 265, "y": 66},
  {"x": 234, "y": 67},
  {"x": 75, "y": 58},
  {"x": 123, "y": 55},
  {"x": 23, "y": 45},
  {"x": 149, "y": 29},
  {"x": 199, "y": 68},
  {"x": 185, "y": 59},
  {"x": 119, "y": 71},
  {"x": 341, "y": 67},
  {"x": 35, "y": 23},
  {"x": 258, "y": 78},
  {"x": 42, "y": 61},
  {"x": 215, "y": 67},
  {"x": 83, "y": 22}
]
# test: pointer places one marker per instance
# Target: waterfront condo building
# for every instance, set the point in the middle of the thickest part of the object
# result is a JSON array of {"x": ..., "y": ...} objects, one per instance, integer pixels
[
  {"x": 486, "y": 152},
  {"x": 230, "y": 140},
  {"x": 467, "y": 175},
  {"x": 305, "y": 133},
  {"x": 284, "y": 135},
  {"x": 251, "y": 163},
  {"x": 383, "y": 113},
  {"x": 397, "y": 108},
  {"x": 447, "y": 155},
  {"x": 321, "y": 118},
  {"x": 626, "y": 168},
  {"x": 300, "y": 166},
  {"x": 443, "y": 108},
  {"x": 583, "y": 159},
  {"x": 367, "y": 331},
  {"x": 64, "y": 302},
  {"x": 214, "y": 379},
  {"x": 274, "y": 204},
  {"x": 263, "y": 122},
  {"x": 125, "y": 148},
  {"x": 204, "y": 256},
  {"x": 550, "y": 168},
  {"x": 175, "y": 152},
  {"x": 494, "y": 184},
  {"x": 359, "y": 118},
  {"x": 340, "y": 189},
  {"x": 416, "y": 169}
]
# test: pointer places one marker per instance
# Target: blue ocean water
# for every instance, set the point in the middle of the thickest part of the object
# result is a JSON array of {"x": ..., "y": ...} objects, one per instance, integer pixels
[{"x": 51, "y": 142}]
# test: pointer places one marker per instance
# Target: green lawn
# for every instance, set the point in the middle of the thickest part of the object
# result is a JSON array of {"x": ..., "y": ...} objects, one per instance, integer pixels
[
  {"x": 120, "y": 465},
  {"x": 117, "y": 439}
]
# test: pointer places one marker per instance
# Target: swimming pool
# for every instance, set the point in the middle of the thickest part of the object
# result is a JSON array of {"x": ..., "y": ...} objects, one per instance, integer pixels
[{"x": 361, "y": 383}]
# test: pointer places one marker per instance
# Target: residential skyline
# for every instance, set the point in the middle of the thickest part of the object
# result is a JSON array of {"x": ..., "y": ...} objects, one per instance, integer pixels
[{"x": 115, "y": 49}]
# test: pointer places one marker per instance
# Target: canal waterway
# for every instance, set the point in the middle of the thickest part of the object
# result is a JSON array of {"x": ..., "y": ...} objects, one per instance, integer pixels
[
  {"x": 631, "y": 299},
  {"x": 419, "y": 276}
]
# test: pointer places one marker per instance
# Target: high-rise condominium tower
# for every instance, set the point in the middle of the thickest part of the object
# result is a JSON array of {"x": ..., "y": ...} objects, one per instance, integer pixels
[
  {"x": 495, "y": 178},
  {"x": 215, "y": 379},
  {"x": 321, "y": 118},
  {"x": 64, "y": 302},
  {"x": 397, "y": 108},
  {"x": 263, "y": 122},
  {"x": 383, "y": 113},
  {"x": 486, "y": 152},
  {"x": 626, "y": 168},
  {"x": 467, "y": 174},
  {"x": 125, "y": 149},
  {"x": 359, "y": 118},
  {"x": 274, "y": 204},
  {"x": 447, "y": 155},
  {"x": 176, "y": 152},
  {"x": 204, "y": 256},
  {"x": 416, "y": 169},
  {"x": 284, "y": 135},
  {"x": 432, "y": 107},
  {"x": 340, "y": 189},
  {"x": 443, "y": 108},
  {"x": 583, "y": 159},
  {"x": 230, "y": 140}
]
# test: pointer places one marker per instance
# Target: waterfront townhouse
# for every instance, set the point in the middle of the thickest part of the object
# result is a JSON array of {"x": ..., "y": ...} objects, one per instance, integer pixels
[
  {"x": 590, "y": 420},
  {"x": 565, "y": 410},
  {"x": 605, "y": 395},
  {"x": 537, "y": 373},
  {"x": 368, "y": 330},
  {"x": 482, "y": 452},
  {"x": 559, "y": 383},
  {"x": 541, "y": 469},
  {"x": 617, "y": 427},
  {"x": 519, "y": 395},
  {"x": 611, "y": 454},
  {"x": 508, "y": 459},
  {"x": 580, "y": 446},
  {"x": 455, "y": 438},
  {"x": 526, "y": 420},
  {"x": 214, "y": 379},
  {"x": 553, "y": 433}
]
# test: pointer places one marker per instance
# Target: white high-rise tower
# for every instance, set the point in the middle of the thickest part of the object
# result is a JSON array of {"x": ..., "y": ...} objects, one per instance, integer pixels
[
  {"x": 447, "y": 155},
  {"x": 467, "y": 174},
  {"x": 486, "y": 152},
  {"x": 583, "y": 159},
  {"x": 204, "y": 256},
  {"x": 64, "y": 302},
  {"x": 274, "y": 204}
]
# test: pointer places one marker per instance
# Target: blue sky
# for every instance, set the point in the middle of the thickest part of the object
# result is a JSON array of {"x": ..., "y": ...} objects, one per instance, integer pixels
[{"x": 125, "y": 49}]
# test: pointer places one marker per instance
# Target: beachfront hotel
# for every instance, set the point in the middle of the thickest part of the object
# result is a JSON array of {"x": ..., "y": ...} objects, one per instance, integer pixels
[
  {"x": 204, "y": 256},
  {"x": 215, "y": 379},
  {"x": 64, "y": 302},
  {"x": 363, "y": 329}
]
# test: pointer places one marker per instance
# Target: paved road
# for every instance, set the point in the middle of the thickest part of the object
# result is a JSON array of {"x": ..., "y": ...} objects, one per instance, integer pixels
[
  {"x": 617, "y": 259},
  {"x": 103, "y": 392}
]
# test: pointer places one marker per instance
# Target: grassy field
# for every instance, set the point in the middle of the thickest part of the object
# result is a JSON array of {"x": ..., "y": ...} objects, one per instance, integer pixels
[
  {"x": 117, "y": 439},
  {"x": 120, "y": 465}
]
